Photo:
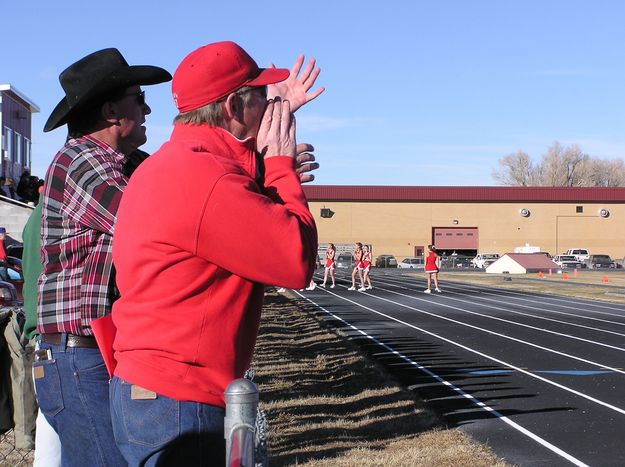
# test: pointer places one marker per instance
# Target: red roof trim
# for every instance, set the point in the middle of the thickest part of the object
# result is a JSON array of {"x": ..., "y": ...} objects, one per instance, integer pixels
[{"x": 462, "y": 194}]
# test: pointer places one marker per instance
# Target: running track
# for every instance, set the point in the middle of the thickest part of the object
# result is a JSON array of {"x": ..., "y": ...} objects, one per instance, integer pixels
[{"x": 539, "y": 378}]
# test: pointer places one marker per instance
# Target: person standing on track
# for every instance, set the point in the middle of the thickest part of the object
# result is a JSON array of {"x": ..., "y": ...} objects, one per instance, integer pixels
[
  {"x": 366, "y": 269},
  {"x": 330, "y": 265},
  {"x": 357, "y": 266},
  {"x": 432, "y": 265}
]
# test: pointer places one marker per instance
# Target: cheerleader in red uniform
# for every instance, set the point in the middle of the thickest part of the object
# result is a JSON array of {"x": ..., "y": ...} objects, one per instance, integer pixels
[
  {"x": 330, "y": 265},
  {"x": 432, "y": 265},
  {"x": 366, "y": 268},
  {"x": 357, "y": 266}
]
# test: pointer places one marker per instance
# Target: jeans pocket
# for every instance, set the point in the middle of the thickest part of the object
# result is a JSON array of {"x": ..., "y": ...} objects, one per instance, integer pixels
[
  {"x": 151, "y": 423},
  {"x": 48, "y": 387}
]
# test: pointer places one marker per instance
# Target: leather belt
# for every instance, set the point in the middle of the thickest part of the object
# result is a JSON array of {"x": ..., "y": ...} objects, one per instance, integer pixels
[{"x": 72, "y": 340}]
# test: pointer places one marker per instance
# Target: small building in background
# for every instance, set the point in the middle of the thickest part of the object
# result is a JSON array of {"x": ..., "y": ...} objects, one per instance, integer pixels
[{"x": 16, "y": 129}]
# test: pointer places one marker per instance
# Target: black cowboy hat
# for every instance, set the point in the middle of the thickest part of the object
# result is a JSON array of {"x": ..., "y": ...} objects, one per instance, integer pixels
[{"x": 97, "y": 75}]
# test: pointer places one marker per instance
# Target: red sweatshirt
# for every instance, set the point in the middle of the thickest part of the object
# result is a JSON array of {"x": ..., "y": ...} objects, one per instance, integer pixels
[{"x": 196, "y": 239}]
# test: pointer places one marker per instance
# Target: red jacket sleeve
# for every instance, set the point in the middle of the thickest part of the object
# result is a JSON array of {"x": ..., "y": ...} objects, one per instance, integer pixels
[{"x": 270, "y": 238}]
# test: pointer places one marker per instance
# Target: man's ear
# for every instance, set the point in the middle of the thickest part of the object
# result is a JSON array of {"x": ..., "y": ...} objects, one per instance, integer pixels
[
  {"x": 110, "y": 112},
  {"x": 233, "y": 107}
]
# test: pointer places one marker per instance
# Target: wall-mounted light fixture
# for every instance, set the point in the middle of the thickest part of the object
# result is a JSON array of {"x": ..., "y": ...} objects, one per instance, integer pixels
[
  {"x": 326, "y": 213},
  {"x": 604, "y": 213},
  {"x": 524, "y": 212},
  {"x": 455, "y": 221}
]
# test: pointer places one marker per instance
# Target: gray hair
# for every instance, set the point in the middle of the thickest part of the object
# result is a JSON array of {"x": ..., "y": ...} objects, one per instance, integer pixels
[{"x": 211, "y": 114}]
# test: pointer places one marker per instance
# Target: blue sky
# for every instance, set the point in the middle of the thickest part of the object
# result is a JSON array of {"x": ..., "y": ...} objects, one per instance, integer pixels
[{"x": 417, "y": 93}]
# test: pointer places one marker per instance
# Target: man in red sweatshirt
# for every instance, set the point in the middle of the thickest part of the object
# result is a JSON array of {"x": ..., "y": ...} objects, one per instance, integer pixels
[{"x": 191, "y": 266}]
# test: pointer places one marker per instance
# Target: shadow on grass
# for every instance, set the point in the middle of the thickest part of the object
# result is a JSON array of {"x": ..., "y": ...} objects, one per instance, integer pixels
[{"x": 323, "y": 398}]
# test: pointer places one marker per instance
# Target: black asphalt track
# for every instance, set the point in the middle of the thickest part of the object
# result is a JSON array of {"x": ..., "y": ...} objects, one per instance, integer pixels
[{"x": 539, "y": 378}]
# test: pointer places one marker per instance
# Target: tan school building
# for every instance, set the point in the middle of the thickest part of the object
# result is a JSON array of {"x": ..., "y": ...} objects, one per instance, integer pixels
[{"x": 402, "y": 220}]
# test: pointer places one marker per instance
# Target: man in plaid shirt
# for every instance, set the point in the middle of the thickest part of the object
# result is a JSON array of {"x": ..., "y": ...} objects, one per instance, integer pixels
[{"x": 104, "y": 109}]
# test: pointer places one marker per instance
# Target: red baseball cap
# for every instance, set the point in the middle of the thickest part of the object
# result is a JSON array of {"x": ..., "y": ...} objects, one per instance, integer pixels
[{"x": 215, "y": 70}]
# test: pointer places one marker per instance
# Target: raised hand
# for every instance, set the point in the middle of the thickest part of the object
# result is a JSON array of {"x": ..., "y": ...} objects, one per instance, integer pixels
[
  {"x": 295, "y": 88},
  {"x": 276, "y": 134},
  {"x": 305, "y": 162}
]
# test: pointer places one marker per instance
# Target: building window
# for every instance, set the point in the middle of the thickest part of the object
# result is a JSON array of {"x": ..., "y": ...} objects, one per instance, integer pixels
[
  {"x": 18, "y": 142},
  {"x": 579, "y": 209},
  {"x": 27, "y": 152},
  {"x": 9, "y": 144}
]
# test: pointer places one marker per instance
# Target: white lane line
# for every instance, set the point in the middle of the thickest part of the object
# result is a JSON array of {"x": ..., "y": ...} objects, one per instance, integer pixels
[
  {"x": 489, "y": 357},
  {"x": 543, "y": 442},
  {"x": 474, "y": 301},
  {"x": 456, "y": 287},
  {"x": 577, "y": 301},
  {"x": 496, "y": 318}
]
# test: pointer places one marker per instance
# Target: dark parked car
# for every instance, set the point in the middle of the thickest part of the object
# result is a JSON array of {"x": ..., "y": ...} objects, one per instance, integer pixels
[
  {"x": 345, "y": 261},
  {"x": 8, "y": 295},
  {"x": 385, "y": 261},
  {"x": 600, "y": 262}
]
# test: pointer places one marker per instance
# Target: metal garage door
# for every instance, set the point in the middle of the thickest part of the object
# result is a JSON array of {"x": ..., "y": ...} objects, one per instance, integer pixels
[{"x": 456, "y": 238}]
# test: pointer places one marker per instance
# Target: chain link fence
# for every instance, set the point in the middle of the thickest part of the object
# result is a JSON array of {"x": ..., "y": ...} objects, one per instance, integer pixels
[{"x": 10, "y": 456}]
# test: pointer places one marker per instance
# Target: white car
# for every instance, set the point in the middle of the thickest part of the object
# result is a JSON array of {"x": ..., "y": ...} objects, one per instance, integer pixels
[
  {"x": 483, "y": 260},
  {"x": 411, "y": 263}
]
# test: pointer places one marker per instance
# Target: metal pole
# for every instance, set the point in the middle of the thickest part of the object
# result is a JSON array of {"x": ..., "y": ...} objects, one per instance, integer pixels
[{"x": 241, "y": 397}]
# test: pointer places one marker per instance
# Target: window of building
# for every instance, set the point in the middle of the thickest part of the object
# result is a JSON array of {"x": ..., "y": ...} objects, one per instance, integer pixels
[
  {"x": 27, "y": 152},
  {"x": 579, "y": 209},
  {"x": 8, "y": 138},
  {"x": 18, "y": 146}
]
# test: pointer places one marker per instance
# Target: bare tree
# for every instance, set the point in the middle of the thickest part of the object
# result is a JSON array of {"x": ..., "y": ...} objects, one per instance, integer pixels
[
  {"x": 560, "y": 166},
  {"x": 516, "y": 169}
]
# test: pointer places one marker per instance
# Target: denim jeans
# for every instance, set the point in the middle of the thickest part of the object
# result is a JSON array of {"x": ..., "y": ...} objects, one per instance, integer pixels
[
  {"x": 73, "y": 394},
  {"x": 161, "y": 431}
]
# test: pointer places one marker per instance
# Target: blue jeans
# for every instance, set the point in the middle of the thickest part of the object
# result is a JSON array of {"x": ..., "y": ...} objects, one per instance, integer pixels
[
  {"x": 73, "y": 394},
  {"x": 161, "y": 431}
]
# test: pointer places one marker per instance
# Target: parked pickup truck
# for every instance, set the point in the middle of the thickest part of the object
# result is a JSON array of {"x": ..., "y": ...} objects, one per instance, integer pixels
[
  {"x": 567, "y": 262},
  {"x": 581, "y": 254},
  {"x": 600, "y": 262}
]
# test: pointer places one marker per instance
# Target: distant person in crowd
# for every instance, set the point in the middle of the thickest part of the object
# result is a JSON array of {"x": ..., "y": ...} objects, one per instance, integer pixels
[
  {"x": 22, "y": 185},
  {"x": 330, "y": 265},
  {"x": 357, "y": 266},
  {"x": 432, "y": 265},
  {"x": 194, "y": 274},
  {"x": 21, "y": 349},
  {"x": 105, "y": 110},
  {"x": 6, "y": 188},
  {"x": 4, "y": 275},
  {"x": 366, "y": 269}
]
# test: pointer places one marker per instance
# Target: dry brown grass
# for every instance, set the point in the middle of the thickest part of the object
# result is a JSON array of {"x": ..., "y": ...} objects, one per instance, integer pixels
[
  {"x": 329, "y": 405},
  {"x": 587, "y": 284}
]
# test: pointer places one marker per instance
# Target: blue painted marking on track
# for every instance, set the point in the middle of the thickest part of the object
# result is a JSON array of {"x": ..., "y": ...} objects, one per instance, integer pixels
[
  {"x": 575, "y": 372},
  {"x": 488, "y": 372}
]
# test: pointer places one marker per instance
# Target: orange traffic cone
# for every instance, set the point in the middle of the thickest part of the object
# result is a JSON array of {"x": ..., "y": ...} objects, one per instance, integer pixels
[
  {"x": 605, "y": 279},
  {"x": 540, "y": 274},
  {"x": 565, "y": 276}
]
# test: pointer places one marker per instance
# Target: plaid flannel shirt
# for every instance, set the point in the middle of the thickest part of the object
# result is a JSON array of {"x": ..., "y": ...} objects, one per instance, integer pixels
[{"x": 83, "y": 188}]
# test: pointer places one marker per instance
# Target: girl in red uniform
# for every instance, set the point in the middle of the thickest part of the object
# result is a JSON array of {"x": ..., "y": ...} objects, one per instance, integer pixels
[
  {"x": 330, "y": 265},
  {"x": 366, "y": 268},
  {"x": 432, "y": 264},
  {"x": 357, "y": 266}
]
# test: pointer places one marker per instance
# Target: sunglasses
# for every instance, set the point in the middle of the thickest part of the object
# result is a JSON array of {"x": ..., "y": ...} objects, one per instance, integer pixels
[
  {"x": 139, "y": 95},
  {"x": 261, "y": 89}
]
